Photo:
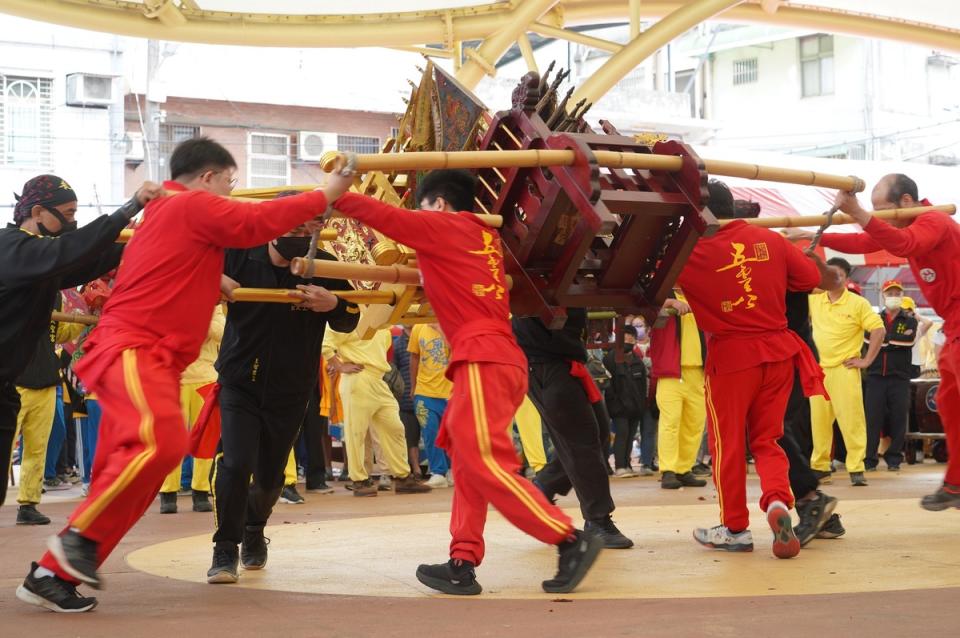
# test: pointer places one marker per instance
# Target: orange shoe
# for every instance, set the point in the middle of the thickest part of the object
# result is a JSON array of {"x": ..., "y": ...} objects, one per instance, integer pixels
[{"x": 785, "y": 542}]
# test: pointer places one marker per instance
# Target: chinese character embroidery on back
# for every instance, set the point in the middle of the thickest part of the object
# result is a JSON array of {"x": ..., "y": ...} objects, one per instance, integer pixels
[
  {"x": 743, "y": 275},
  {"x": 491, "y": 249}
]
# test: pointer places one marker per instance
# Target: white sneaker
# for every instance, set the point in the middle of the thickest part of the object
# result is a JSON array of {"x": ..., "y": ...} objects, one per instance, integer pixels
[
  {"x": 623, "y": 472},
  {"x": 84, "y": 489},
  {"x": 720, "y": 537},
  {"x": 450, "y": 478},
  {"x": 437, "y": 481},
  {"x": 646, "y": 471}
]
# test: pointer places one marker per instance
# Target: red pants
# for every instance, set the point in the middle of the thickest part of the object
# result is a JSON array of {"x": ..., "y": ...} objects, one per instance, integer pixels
[
  {"x": 948, "y": 404},
  {"x": 485, "y": 464},
  {"x": 755, "y": 397},
  {"x": 142, "y": 437}
]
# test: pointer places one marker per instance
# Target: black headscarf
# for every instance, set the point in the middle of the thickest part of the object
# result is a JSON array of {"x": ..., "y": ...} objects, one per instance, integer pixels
[{"x": 43, "y": 190}]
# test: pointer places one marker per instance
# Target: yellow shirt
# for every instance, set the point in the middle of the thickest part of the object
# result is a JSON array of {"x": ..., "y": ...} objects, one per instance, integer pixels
[
  {"x": 434, "y": 352},
  {"x": 690, "y": 353},
  {"x": 202, "y": 370},
  {"x": 370, "y": 353},
  {"x": 838, "y": 327}
]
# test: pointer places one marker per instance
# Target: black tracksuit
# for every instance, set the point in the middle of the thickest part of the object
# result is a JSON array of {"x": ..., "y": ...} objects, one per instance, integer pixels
[
  {"x": 268, "y": 366},
  {"x": 33, "y": 271},
  {"x": 570, "y": 418},
  {"x": 887, "y": 388}
]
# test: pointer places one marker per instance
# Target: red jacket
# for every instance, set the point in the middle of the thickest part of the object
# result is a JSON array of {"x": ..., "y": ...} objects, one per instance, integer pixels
[
  {"x": 169, "y": 279},
  {"x": 931, "y": 244},
  {"x": 461, "y": 261},
  {"x": 665, "y": 349},
  {"x": 736, "y": 283}
]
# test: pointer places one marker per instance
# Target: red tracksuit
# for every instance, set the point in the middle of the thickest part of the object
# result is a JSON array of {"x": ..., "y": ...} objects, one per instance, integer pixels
[
  {"x": 461, "y": 261},
  {"x": 736, "y": 283},
  {"x": 931, "y": 244},
  {"x": 150, "y": 330}
]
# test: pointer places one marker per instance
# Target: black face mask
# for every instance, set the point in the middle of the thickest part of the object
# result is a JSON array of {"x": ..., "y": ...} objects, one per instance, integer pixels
[
  {"x": 628, "y": 347},
  {"x": 65, "y": 226},
  {"x": 290, "y": 247}
]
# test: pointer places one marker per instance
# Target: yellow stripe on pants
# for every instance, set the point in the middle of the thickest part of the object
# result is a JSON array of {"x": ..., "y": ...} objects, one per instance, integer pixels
[
  {"x": 846, "y": 406},
  {"x": 35, "y": 421}
]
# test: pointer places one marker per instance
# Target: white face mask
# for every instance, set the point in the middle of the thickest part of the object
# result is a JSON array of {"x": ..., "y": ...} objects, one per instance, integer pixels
[{"x": 893, "y": 303}]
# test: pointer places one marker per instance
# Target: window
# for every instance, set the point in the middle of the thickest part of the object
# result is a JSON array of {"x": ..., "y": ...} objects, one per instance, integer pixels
[
  {"x": 816, "y": 65},
  {"x": 744, "y": 71},
  {"x": 358, "y": 144},
  {"x": 268, "y": 160},
  {"x": 25, "y": 107},
  {"x": 170, "y": 136}
]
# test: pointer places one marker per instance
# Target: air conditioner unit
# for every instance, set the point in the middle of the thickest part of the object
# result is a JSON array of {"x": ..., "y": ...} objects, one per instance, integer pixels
[
  {"x": 311, "y": 145},
  {"x": 134, "y": 146},
  {"x": 84, "y": 89}
]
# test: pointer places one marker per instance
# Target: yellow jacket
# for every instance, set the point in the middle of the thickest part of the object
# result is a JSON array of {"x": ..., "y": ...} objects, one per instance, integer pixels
[
  {"x": 202, "y": 370},
  {"x": 350, "y": 348}
]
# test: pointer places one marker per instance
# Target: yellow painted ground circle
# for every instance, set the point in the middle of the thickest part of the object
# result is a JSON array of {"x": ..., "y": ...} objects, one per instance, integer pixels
[{"x": 890, "y": 545}]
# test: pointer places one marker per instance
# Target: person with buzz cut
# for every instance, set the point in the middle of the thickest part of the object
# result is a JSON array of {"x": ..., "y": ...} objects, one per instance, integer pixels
[{"x": 839, "y": 320}]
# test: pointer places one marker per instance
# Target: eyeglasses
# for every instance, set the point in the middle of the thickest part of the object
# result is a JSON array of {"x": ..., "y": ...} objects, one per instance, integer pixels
[{"x": 233, "y": 180}]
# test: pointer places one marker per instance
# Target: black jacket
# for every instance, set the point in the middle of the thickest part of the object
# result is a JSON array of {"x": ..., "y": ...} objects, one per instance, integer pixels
[
  {"x": 43, "y": 370},
  {"x": 34, "y": 269},
  {"x": 895, "y": 357},
  {"x": 542, "y": 345},
  {"x": 626, "y": 396},
  {"x": 273, "y": 349}
]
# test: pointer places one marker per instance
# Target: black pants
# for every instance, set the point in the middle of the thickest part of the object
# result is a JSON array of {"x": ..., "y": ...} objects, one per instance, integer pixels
[
  {"x": 411, "y": 427},
  {"x": 9, "y": 409},
  {"x": 796, "y": 426},
  {"x": 257, "y": 436},
  {"x": 624, "y": 434},
  {"x": 313, "y": 432},
  {"x": 572, "y": 423},
  {"x": 887, "y": 404}
]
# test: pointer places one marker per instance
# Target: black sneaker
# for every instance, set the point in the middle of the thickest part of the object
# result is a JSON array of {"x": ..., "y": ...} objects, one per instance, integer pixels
[
  {"x": 547, "y": 494},
  {"x": 669, "y": 481},
  {"x": 53, "y": 593},
  {"x": 28, "y": 515},
  {"x": 77, "y": 556},
  {"x": 223, "y": 570},
  {"x": 857, "y": 479},
  {"x": 291, "y": 496},
  {"x": 944, "y": 498},
  {"x": 612, "y": 537},
  {"x": 253, "y": 551},
  {"x": 833, "y": 528},
  {"x": 687, "y": 479},
  {"x": 576, "y": 557},
  {"x": 814, "y": 515},
  {"x": 823, "y": 477},
  {"x": 168, "y": 502},
  {"x": 455, "y": 577},
  {"x": 319, "y": 488},
  {"x": 201, "y": 501},
  {"x": 701, "y": 469}
]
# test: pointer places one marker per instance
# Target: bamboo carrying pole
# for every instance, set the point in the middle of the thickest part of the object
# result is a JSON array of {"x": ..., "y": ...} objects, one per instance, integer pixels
[
  {"x": 69, "y": 317},
  {"x": 841, "y": 218},
  {"x": 284, "y": 295},
  {"x": 611, "y": 159},
  {"x": 327, "y": 234},
  {"x": 360, "y": 272}
]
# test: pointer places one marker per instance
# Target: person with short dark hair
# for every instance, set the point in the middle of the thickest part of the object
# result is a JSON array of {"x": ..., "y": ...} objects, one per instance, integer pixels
[
  {"x": 462, "y": 266},
  {"x": 839, "y": 320},
  {"x": 736, "y": 283},
  {"x": 151, "y": 328},
  {"x": 41, "y": 253},
  {"x": 931, "y": 244}
]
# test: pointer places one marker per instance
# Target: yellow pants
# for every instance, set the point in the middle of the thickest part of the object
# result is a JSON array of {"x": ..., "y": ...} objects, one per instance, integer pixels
[
  {"x": 683, "y": 414},
  {"x": 35, "y": 421},
  {"x": 368, "y": 402},
  {"x": 531, "y": 434},
  {"x": 191, "y": 403},
  {"x": 846, "y": 406},
  {"x": 290, "y": 472}
]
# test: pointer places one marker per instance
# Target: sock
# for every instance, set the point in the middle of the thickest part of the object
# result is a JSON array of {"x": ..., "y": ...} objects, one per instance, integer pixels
[{"x": 41, "y": 572}]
